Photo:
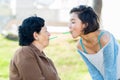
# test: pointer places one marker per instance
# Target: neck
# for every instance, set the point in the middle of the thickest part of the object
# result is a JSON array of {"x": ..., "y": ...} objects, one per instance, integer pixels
[
  {"x": 91, "y": 37},
  {"x": 38, "y": 45}
]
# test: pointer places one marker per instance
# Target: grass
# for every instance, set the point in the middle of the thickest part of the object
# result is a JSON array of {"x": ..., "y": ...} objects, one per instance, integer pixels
[
  {"x": 7, "y": 49},
  {"x": 61, "y": 50}
]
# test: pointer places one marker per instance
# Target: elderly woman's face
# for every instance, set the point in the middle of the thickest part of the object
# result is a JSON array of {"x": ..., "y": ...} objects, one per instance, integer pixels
[{"x": 44, "y": 36}]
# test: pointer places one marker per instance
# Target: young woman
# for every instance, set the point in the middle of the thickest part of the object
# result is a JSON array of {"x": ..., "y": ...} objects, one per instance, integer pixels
[{"x": 98, "y": 48}]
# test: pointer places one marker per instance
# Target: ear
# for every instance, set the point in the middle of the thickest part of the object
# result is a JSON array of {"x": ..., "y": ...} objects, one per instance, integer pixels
[
  {"x": 85, "y": 25},
  {"x": 35, "y": 35}
]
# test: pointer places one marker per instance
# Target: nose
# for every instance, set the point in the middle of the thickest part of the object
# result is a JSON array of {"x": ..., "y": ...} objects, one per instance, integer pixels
[
  {"x": 48, "y": 34},
  {"x": 69, "y": 26}
]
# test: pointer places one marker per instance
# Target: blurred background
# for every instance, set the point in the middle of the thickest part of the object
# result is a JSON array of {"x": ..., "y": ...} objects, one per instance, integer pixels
[
  {"x": 56, "y": 13},
  {"x": 68, "y": 62}
]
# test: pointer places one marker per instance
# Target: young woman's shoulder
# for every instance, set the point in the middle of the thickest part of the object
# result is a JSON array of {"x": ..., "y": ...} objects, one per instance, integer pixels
[{"x": 105, "y": 38}]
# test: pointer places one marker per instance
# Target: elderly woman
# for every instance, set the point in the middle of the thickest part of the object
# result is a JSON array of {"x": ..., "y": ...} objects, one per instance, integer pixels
[
  {"x": 29, "y": 61},
  {"x": 98, "y": 48}
]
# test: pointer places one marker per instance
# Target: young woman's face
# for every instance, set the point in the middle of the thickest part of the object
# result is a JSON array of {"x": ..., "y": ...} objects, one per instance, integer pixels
[
  {"x": 76, "y": 26},
  {"x": 44, "y": 36}
]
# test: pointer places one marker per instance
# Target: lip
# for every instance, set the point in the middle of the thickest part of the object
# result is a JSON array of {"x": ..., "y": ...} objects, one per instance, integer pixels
[{"x": 71, "y": 32}]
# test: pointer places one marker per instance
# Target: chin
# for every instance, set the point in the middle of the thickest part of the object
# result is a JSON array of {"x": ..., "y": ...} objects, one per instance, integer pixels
[
  {"x": 46, "y": 44},
  {"x": 73, "y": 36}
]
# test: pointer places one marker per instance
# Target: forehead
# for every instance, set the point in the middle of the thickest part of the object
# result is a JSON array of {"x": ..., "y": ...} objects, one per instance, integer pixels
[
  {"x": 44, "y": 28},
  {"x": 73, "y": 16}
]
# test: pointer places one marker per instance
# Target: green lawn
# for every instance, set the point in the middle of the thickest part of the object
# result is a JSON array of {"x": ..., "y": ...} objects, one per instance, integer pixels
[
  {"x": 61, "y": 50},
  {"x": 7, "y": 49}
]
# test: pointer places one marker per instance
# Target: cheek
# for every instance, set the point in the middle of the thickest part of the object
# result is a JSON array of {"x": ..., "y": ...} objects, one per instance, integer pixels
[
  {"x": 79, "y": 28},
  {"x": 73, "y": 27},
  {"x": 75, "y": 32},
  {"x": 76, "y": 29},
  {"x": 46, "y": 38}
]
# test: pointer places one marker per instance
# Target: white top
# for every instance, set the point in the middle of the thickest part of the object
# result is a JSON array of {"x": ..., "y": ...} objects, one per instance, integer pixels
[{"x": 97, "y": 61}]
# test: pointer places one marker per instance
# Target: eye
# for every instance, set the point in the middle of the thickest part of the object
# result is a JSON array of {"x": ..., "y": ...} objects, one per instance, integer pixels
[
  {"x": 46, "y": 31},
  {"x": 73, "y": 22}
]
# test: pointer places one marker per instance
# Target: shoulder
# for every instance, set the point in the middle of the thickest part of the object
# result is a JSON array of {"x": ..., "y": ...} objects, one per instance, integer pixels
[
  {"x": 23, "y": 52},
  {"x": 105, "y": 38}
]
